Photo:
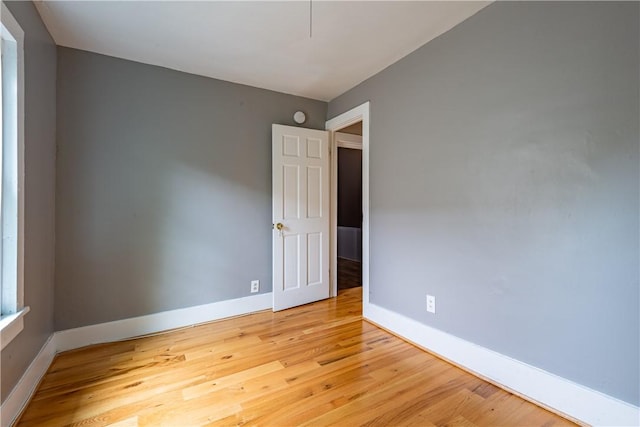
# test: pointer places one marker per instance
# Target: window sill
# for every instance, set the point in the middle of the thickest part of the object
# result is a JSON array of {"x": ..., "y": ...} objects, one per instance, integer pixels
[{"x": 10, "y": 326}]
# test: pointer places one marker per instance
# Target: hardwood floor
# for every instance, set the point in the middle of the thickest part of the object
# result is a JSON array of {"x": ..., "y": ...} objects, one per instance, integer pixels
[
  {"x": 314, "y": 365},
  {"x": 349, "y": 274}
]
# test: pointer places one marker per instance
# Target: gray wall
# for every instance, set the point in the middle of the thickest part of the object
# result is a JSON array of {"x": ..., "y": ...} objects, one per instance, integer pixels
[
  {"x": 40, "y": 151},
  {"x": 504, "y": 180},
  {"x": 164, "y": 187}
]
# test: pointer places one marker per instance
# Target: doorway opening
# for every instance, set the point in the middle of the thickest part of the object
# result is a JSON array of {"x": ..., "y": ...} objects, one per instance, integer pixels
[
  {"x": 359, "y": 114},
  {"x": 348, "y": 141}
]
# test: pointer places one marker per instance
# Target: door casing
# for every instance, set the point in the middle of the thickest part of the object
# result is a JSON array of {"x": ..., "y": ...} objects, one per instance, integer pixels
[{"x": 359, "y": 113}]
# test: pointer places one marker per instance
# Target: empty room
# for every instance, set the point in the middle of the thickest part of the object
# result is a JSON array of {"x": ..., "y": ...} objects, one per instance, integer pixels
[{"x": 287, "y": 213}]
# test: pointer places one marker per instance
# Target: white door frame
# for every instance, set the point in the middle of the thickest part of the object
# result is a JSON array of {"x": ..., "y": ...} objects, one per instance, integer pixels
[{"x": 359, "y": 113}]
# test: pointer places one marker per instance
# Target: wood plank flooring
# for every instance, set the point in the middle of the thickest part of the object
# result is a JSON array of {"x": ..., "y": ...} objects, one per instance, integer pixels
[
  {"x": 314, "y": 365},
  {"x": 349, "y": 274}
]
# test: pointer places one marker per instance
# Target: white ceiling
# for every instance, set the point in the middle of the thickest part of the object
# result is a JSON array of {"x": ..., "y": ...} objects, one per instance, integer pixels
[{"x": 264, "y": 44}]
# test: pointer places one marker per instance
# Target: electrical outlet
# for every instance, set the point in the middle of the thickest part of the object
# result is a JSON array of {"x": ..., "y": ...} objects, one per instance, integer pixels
[
  {"x": 431, "y": 304},
  {"x": 255, "y": 286}
]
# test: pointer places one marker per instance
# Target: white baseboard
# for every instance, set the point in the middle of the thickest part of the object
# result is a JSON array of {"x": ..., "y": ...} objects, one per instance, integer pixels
[
  {"x": 21, "y": 393},
  {"x": 574, "y": 400},
  {"x": 120, "y": 330},
  {"x": 136, "y": 326},
  {"x": 560, "y": 394}
]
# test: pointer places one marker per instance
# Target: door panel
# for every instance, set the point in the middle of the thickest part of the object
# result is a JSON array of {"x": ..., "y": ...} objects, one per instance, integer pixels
[{"x": 301, "y": 204}]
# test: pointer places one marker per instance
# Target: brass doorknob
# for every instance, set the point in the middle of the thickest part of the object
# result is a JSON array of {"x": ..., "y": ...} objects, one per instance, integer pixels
[{"x": 279, "y": 226}]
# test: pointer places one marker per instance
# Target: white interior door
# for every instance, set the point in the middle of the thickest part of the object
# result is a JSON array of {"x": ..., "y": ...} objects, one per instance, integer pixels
[{"x": 300, "y": 177}]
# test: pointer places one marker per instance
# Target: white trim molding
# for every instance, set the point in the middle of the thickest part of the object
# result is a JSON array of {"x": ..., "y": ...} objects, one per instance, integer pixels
[
  {"x": 11, "y": 325},
  {"x": 355, "y": 115},
  {"x": 548, "y": 390},
  {"x": 21, "y": 394},
  {"x": 13, "y": 176},
  {"x": 120, "y": 330},
  {"x": 541, "y": 387},
  {"x": 346, "y": 140}
]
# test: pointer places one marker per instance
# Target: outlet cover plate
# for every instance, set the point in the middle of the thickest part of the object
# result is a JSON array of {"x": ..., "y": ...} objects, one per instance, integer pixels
[
  {"x": 255, "y": 286},
  {"x": 431, "y": 304}
]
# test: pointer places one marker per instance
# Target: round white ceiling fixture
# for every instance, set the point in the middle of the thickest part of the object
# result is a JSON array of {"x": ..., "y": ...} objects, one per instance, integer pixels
[{"x": 299, "y": 117}]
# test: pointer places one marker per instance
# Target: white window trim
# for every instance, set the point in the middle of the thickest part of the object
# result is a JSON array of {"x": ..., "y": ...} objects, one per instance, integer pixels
[{"x": 12, "y": 324}]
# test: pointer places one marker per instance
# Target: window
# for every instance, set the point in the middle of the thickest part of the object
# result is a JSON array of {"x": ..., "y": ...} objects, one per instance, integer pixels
[{"x": 12, "y": 307}]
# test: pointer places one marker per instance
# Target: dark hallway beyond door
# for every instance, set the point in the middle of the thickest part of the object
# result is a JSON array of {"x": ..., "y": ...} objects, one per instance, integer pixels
[{"x": 349, "y": 274}]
